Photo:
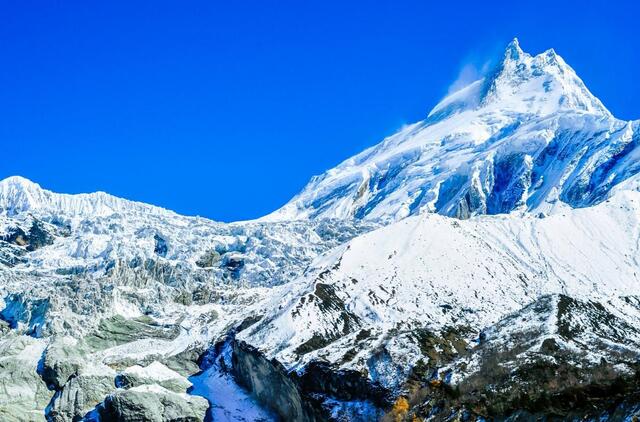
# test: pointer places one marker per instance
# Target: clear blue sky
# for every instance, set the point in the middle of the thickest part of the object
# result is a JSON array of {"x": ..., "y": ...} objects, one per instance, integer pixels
[{"x": 226, "y": 108}]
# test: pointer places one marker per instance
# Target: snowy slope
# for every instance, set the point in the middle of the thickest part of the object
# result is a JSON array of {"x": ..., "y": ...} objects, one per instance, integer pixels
[
  {"x": 433, "y": 273},
  {"x": 527, "y": 136}
]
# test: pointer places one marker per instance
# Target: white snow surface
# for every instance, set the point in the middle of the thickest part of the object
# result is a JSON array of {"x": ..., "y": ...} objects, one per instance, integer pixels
[
  {"x": 437, "y": 272},
  {"x": 154, "y": 371}
]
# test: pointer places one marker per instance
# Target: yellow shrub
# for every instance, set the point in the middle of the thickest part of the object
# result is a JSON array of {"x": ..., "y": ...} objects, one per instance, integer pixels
[
  {"x": 400, "y": 408},
  {"x": 401, "y": 405}
]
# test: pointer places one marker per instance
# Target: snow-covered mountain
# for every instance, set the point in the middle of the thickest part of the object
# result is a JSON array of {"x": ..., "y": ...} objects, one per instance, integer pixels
[
  {"x": 429, "y": 297},
  {"x": 436, "y": 272},
  {"x": 527, "y": 136},
  {"x": 93, "y": 287},
  {"x": 482, "y": 263}
]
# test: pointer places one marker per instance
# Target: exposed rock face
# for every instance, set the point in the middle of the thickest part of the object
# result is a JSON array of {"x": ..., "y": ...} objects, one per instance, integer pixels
[
  {"x": 209, "y": 259},
  {"x": 318, "y": 393},
  {"x": 151, "y": 393},
  {"x": 36, "y": 237},
  {"x": 78, "y": 397},
  {"x": 271, "y": 385},
  {"x": 320, "y": 379},
  {"x": 117, "y": 330},
  {"x": 79, "y": 383},
  {"x": 62, "y": 360}
]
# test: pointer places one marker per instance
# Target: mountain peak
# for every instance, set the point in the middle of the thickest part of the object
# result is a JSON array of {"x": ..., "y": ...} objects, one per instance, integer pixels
[
  {"x": 18, "y": 194},
  {"x": 531, "y": 85},
  {"x": 528, "y": 135},
  {"x": 513, "y": 50}
]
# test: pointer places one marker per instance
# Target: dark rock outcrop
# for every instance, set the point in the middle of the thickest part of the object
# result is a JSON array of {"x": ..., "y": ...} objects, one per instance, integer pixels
[
  {"x": 302, "y": 396},
  {"x": 37, "y": 236},
  {"x": 269, "y": 382}
]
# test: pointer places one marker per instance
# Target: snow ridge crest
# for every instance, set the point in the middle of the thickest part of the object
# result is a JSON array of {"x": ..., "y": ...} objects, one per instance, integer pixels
[{"x": 18, "y": 194}]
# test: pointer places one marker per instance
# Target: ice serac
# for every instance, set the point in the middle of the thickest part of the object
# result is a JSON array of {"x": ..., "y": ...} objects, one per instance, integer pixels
[{"x": 528, "y": 136}]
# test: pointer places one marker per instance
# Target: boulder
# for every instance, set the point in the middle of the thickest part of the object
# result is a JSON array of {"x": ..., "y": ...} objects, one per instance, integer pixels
[
  {"x": 152, "y": 403},
  {"x": 62, "y": 360},
  {"x": 78, "y": 397}
]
